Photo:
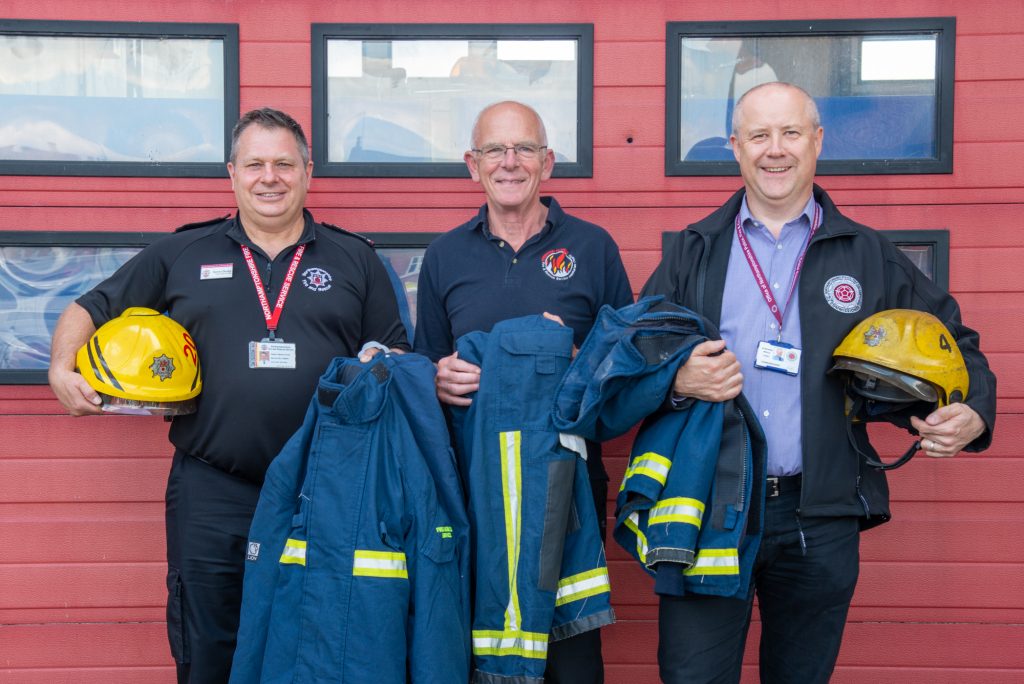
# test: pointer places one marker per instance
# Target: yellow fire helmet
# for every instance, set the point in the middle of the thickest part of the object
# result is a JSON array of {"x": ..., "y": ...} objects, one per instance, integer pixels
[
  {"x": 142, "y": 363},
  {"x": 897, "y": 363}
]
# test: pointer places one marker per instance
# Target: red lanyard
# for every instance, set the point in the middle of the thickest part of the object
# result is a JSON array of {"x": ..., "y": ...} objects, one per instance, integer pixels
[
  {"x": 755, "y": 267},
  {"x": 273, "y": 318}
]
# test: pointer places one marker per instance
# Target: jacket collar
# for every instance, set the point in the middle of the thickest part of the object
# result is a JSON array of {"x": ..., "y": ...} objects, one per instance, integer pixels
[{"x": 721, "y": 220}]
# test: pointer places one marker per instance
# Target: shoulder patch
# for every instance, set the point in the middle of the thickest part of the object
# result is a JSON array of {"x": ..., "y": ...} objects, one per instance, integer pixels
[
  {"x": 347, "y": 232},
  {"x": 200, "y": 224}
]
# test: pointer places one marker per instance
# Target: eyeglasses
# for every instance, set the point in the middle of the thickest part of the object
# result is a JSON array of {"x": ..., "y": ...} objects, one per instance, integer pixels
[{"x": 497, "y": 152}]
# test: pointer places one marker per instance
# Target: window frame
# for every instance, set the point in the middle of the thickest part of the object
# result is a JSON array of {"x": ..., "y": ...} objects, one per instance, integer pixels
[
  {"x": 944, "y": 27},
  {"x": 583, "y": 167},
  {"x": 228, "y": 33}
]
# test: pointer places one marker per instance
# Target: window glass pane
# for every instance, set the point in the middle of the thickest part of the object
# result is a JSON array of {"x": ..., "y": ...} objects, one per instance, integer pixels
[
  {"x": 406, "y": 262},
  {"x": 922, "y": 256},
  {"x": 877, "y": 96},
  {"x": 36, "y": 284},
  {"x": 111, "y": 99},
  {"x": 415, "y": 100}
]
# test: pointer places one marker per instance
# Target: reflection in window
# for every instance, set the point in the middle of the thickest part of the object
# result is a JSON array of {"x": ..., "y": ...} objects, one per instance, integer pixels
[
  {"x": 111, "y": 99},
  {"x": 36, "y": 284},
  {"x": 416, "y": 100},
  {"x": 876, "y": 118},
  {"x": 884, "y": 88}
]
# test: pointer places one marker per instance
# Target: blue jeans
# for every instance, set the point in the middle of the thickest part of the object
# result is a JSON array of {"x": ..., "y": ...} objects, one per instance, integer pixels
[{"x": 805, "y": 574}]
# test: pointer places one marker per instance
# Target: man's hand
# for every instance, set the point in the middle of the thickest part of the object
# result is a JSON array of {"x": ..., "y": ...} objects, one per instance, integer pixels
[
  {"x": 946, "y": 431},
  {"x": 74, "y": 393},
  {"x": 456, "y": 378},
  {"x": 712, "y": 373}
]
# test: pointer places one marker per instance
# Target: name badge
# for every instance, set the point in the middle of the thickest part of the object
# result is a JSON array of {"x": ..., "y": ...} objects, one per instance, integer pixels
[
  {"x": 215, "y": 271},
  {"x": 269, "y": 353},
  {"x": 777, "y": 356}
]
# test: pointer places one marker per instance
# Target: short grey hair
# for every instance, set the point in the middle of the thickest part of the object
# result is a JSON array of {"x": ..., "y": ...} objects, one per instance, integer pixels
[
  {"x": 265, "y": 117},
  {"x": 812, "y": 107}
]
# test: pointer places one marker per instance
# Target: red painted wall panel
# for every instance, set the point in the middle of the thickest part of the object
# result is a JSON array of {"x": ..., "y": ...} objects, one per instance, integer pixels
[{"x": 940, "y": 594}]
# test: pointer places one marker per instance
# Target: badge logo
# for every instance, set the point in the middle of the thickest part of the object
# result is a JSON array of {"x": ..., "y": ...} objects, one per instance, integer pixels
[
  {"x": 316, "y": 279},
  {"x": 162, "y": 367},
  {"x": 874, "y": 336},
  {"x": 252, "y": 552},
  {"x": 843, "y": 293},
  {"x": 558, "y": 264}
]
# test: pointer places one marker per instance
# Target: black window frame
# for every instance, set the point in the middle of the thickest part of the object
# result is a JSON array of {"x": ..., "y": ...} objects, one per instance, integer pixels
[
  {"x": 228, "y": 33},
  {"x": 583, "y": 167},
  {"x": 945, "y": 27},
  {"x": 935, "y": 238}
]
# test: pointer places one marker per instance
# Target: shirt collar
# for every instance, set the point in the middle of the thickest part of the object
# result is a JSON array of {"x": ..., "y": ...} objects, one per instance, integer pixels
[
  {"x": 555, "y": 217},
  {"x": 808, "y": 214},
  {"x": 237, "y": 232}
]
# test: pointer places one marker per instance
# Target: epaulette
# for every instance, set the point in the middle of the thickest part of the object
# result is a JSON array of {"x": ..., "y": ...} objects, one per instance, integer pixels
[
  {"x": 347, "y": 232},
  {"x": 200, "y": 224}
]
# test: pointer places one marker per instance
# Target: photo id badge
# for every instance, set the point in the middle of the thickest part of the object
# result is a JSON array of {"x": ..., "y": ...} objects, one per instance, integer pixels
[
  {"x": 269, "y": 353},
  {"x": 777, "y": 356}
]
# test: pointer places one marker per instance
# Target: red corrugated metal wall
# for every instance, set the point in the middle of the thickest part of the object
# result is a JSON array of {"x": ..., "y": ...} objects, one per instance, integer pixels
[{"x": 941, "y": 596}]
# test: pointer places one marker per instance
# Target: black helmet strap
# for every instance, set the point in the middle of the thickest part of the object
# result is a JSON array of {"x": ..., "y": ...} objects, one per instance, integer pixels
[{"x": 858, "y": 404}]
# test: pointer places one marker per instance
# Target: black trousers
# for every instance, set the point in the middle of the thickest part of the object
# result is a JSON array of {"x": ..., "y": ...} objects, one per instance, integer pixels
[
  {"x": 804, "y": 576},
  {"x": 577, "y": 660},
  {"x": 208, "y": 518}
]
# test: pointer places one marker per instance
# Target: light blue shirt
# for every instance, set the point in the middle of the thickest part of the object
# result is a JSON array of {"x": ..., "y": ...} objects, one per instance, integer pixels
[{"x": 747, "y": 320}]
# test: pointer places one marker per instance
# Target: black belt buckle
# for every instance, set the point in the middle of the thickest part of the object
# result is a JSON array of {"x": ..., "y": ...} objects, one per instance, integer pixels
[{"x": 772, "y": 487}]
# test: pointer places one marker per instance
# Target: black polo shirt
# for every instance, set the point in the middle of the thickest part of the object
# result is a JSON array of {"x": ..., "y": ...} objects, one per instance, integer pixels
[
  {"x": 340, "y": 298},
  {"x": 471, "y": 279}
]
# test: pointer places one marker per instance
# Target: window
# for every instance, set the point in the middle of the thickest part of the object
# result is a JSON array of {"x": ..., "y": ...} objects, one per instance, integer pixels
[
  {"x": 927, "y": 249},
  {"x": 400, "y": 100},
  {"x": 41, "y": 272},
  {"x": 884, "y": 88},
  {"x": 116, "y": 99}
]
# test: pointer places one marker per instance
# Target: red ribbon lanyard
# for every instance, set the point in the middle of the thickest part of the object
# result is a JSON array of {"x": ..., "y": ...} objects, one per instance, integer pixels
[
  {"x": 755, "y": 267},
  {"x": 273, "y": 318}
]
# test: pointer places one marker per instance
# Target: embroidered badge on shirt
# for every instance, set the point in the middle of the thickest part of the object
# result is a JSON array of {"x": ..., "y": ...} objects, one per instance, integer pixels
[
  {"x": 316, "y": 279},
  {"x": 843, "y": 293},
  {"x": 162, "y": 367},
  {"x": 558, "y": 264}
]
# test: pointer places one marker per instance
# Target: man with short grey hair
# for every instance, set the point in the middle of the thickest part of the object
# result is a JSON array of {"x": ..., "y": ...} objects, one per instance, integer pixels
[{"x": 784, "y": 275}]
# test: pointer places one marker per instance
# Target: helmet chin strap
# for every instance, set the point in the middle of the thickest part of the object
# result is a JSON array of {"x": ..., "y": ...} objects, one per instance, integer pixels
[{"x": 877, "y": 463}]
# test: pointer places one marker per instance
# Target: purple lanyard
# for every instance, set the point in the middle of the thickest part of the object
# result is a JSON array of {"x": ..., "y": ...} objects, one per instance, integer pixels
[{"x": 755, "y": 267}]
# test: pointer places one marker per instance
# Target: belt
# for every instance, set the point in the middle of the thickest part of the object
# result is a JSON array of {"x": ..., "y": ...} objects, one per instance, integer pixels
[{"x": 776, "y": 485}]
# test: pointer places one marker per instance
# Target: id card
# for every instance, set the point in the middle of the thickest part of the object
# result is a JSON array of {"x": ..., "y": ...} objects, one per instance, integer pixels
[
  {"x": 777, "y": 356},
  {"x": 269, "y": 353}
]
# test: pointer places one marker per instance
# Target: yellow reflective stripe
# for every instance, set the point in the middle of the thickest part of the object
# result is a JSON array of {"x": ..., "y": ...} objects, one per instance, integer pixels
[
  {"x": 677, "y": 509},
  {"x": 379, "y": 564},
  {"x": 651, "y": 465},
  {"x": 715, "y": 562},
  {"x": 632, "y": 523},
  {"x": 294, "y": 552},
  {"x": 511, "y": 488},
  {"x": 582, "y": 585},
  {"x": 510, "y": 643}
]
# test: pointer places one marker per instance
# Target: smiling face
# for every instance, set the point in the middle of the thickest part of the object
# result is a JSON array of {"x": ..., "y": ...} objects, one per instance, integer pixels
[
  {"x": 269, "y": 178},
  {"x": 776, "y": 141},
  {"x": 512, "y": 184}
]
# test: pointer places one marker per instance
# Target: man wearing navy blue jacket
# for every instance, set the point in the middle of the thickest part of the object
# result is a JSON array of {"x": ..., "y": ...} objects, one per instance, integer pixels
[
  {"x": 520, "y": 255},
  {"x": 783, "y": 273}
]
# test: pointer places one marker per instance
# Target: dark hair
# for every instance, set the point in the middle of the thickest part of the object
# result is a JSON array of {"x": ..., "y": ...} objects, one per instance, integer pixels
[{"x": 265, "y": 117}]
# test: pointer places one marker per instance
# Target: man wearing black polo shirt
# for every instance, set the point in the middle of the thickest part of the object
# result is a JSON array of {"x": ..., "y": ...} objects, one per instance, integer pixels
[
  {"x": 520, "y": 255},
  {"x": 209, "y": 277}
]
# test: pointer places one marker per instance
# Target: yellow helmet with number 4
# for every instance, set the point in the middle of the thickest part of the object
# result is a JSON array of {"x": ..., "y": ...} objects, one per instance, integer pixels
[
  {"x": 899, "y": 363},
  {"x": 142, "y": 363},
  {"x": 904, "y": 355}
]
